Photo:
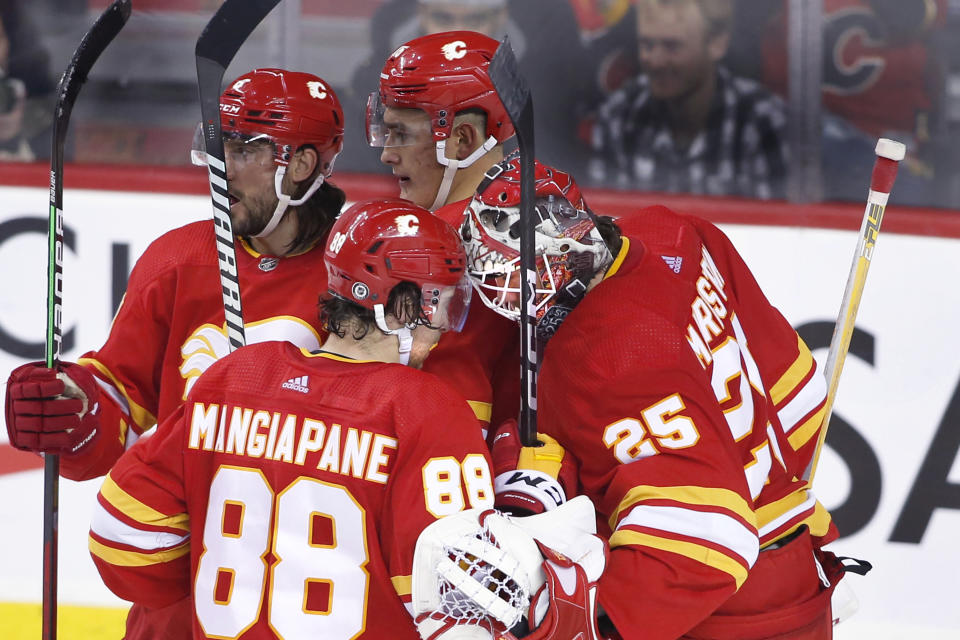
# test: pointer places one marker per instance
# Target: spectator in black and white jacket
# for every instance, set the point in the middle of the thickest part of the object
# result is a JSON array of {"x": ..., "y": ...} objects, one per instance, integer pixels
[{"x": 685, "y": 123}]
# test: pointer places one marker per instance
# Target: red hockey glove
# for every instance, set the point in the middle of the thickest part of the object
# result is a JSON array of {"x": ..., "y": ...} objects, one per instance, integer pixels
[
  {"x": 529, "y": 480},
  {"x": 49, "y": 411},
  {"x": 571, "y": 601}
]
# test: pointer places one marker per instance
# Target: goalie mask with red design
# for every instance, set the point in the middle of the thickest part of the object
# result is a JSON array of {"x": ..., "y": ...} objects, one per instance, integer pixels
[{"x": 569, "y": 248}]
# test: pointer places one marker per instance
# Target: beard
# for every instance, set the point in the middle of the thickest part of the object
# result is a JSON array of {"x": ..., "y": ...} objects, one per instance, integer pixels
[{"x": 257, "y": 211}]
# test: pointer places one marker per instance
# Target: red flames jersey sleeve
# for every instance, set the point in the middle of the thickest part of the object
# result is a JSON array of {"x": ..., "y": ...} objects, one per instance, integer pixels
[
  {"x": 287, "y": 495},
  {"x": 670, "y": 384},
  {"x": 170, "y": 329}
]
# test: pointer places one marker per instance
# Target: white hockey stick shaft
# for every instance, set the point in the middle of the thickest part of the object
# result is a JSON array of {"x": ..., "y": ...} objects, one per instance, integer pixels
[{"x": 889, "y": 154}]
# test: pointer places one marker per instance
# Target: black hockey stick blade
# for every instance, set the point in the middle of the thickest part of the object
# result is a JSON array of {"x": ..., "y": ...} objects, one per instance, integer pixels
[
  {"x": 216, "y": 47},
  {"x": 515, "y": 95},
  {"x": 101, "y": 34},
  {"x": 230, "y": 27}
]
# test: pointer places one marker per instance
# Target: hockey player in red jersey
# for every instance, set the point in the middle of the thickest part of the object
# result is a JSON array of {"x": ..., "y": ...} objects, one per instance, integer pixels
[
  {"x": 172, "y": 312},
  {"x": 688, "y": 404},
  {"x": 441, "y": 125},
  {"x": 286, "y": 495},
  {"x": 170, "y": 327}
]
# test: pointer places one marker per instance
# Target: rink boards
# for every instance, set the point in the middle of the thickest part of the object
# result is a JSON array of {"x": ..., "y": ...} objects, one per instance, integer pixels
[{"x": 891, "y": 475}]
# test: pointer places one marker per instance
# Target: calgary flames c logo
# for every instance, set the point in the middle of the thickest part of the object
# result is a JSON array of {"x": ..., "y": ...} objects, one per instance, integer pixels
[
  {"x": 407, "y": 225},
  {"x": 454, "y": 50}
]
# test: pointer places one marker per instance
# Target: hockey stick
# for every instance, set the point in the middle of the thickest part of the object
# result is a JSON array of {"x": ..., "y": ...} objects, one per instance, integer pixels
[
  {"x": 223, "y": 36},
  {"x": 515, "y": 95},
  {"x": 103, "y": 31},
  {"x": 889, "y": 154}
]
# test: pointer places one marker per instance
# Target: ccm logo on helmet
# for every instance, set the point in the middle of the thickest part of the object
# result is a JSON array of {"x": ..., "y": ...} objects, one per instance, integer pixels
[
  {"x": 230, "y": 108},
  {"x": 317, "y": 89},
  {"x": 454, "y": 50},
  {"x": 407, "y": 225}
]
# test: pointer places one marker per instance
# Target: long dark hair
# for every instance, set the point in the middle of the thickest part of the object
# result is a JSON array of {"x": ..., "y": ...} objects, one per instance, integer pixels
[
  {"x": 339, "y": 314},
  {"x": 316, "y": 215}
]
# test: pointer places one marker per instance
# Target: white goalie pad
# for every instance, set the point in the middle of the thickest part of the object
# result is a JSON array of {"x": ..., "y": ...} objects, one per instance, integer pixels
[{"x": 475, "y": 572}]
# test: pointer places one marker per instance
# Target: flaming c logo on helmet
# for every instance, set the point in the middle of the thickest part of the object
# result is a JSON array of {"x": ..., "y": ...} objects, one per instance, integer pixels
[
  {"x": 454, "y": 50},
  {"x": 407, "y": 225},
  {"x": 317, "y": 89}
]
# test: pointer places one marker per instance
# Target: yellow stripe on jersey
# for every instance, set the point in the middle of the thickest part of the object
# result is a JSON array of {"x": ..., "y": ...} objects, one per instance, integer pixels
[
  {"x": 770, "y": 512},
  {"x": 547, "y": 459},
  {"x": 403, "y": 585},
  {"x": 794, "y": 374},
  {"x": 819, "y": 522},
  {"x": 483, "y": 410},
  {"x": 807, "y": 431},
  {"x": 704, "y": 555},
  {"x": 133, "y": 508},
  {"x": 704, "y": 496},
  {"x": 141, "y": 416},
  {"x": 123, "y": 558}
]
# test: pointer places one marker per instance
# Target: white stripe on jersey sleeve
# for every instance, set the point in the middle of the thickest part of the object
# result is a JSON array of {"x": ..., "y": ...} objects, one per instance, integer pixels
[
  {"x": 713, "y": 527},
  {"x": 108, "y": 527},
  {"x": 809, "y": 397}
]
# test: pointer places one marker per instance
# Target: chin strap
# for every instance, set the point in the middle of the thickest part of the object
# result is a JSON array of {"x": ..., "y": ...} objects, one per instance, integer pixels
[
  {"x": 452, "y": 164},
  {"x": 404, "y": 334},
  {"x": 284, "y": 201}
]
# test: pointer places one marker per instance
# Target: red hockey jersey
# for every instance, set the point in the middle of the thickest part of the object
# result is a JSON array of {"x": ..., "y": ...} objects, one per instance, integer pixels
[
  {"x": 170, "y": 329},
  {"x": 286, "y": 495},
  {"x": 691, "y": 407}
]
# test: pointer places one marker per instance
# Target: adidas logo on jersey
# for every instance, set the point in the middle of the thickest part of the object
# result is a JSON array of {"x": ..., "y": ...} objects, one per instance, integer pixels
[
  {"x": 297, "y": 384},
  {"x": 673, "y": 262}
]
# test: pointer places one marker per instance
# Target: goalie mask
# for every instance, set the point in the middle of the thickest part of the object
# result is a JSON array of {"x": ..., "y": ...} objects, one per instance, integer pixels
[
  {"x": 375, "y": 245},
  {"x": 284, "y": 110},
  {"x": 441, "y": 74},
  {"x": 569, "y": 248}
]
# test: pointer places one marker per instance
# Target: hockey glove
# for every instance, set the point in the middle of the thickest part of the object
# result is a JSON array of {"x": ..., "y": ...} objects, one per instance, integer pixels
[
  {"x": 479, "y": 575},
  {"x": 529, "y": 480},
  {"x": 52, "y": 411}
]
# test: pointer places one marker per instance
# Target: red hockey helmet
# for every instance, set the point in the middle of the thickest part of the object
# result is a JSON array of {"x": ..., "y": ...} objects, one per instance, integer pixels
[
  {"x": 289, "y": 108},
  {"x": 375, "y": 245},
  {"x": 442, "y": 74},
  {"x": 570, "y": 250}
]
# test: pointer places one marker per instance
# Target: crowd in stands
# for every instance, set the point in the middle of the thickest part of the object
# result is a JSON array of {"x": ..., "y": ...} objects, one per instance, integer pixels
[{"x": 687, "y": 96}]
